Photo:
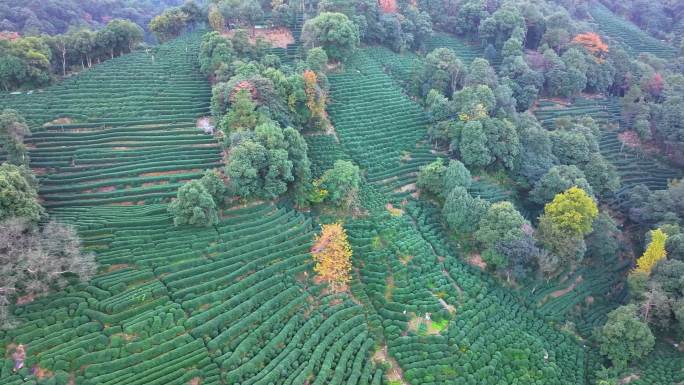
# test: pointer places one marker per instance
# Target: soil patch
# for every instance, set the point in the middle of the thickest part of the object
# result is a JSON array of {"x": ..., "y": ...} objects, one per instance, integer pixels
[
  {"x": 394, "y": 373},
  {"x": 59, "y": 122},
  {"x": 206, "y": 124},
  {"x": 568, "y": 289},
  {"x": 171, "y": 172},
  {"x": 630, "y": 139},
  {"x": 406, "y": 188},
  {"x": 630, "y": 378},
  {"x": 475, "y": 259},
  {"x": 278, "y": 37},
  {"x": 394, "y": 211}
]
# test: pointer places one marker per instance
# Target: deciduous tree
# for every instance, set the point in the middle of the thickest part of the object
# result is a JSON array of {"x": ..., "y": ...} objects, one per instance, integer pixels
[
  {"x": 332, "y": 254},
  {"x": 33, "y": 260},
  {"x": 654, "y": 252}
]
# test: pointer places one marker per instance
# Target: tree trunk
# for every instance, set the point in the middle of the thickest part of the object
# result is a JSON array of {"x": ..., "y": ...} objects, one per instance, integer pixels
[{"x": 63, "y": 62}]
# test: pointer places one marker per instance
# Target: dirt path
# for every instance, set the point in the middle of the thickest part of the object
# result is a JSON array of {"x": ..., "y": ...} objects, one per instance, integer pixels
[{"x": 394, "y": 373}]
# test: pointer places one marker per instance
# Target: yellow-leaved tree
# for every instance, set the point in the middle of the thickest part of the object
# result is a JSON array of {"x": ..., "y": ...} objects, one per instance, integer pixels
[
  {"x": 332, "y": 254},
  {"x": 654, "y": 252}
]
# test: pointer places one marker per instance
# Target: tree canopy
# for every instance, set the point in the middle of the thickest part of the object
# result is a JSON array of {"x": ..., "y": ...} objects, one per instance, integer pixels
[{"x": 333, "y": 32}]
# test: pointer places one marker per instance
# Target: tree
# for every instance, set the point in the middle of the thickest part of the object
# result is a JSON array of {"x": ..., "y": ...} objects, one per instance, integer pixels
[
  {"x": 242, "y": 114},
  {"x": 334, "y": 32},
  {"x": 593, "y": 43},
  {"x": 572, "y": 211},
  {"x": 169, "y": 24},
  {"x": 601, "y": 175},
  {"x": 443, "y": 71},
  {"x": 268, "y": 161},
  {"x": 624, "y": 337},
  {"x": 316, "y": 59},
  {"x": 556, "y": 180},
  {"x": 603, "y": 242},
  {"x": 502, "y": 141},
  {"x": 654, "y": 252},
  {"x": 474, "y": 103},
  {"x": 431, "y": 177},
  {"x": 562, "y": 227},
  {"x": 247, "y": 160},
  {"x": 341, "y": 181},
  {"x": 24, "y": 62},
  {"x": 501, "y": 223},
  {"x": 473, "y": 145},
  {"x": 33, "y": 260},
  {"x": 537, "y": 157},
  {"x": 61, "y": 44},
  {"x": 315, "y": 99},
  {"x": 18, "y": 196},
  {"x": 213, "y": 183},
  {"x": 193, "y": 205},
  {"x": 456, "y": 174},
  {"x": 215, "y": 52},
  {"x": 250, "y": 13},
  {"x": 13, "y": 129},
  {"x": 332, "y": 254},
  {"x": 461, "y": 211},
  {"x": 216, "y": 20},
  {"x": 481, "y": 73}
]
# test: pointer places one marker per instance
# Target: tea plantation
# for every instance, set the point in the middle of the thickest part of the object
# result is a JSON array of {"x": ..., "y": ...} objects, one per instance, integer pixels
[
  {"x": 633, "y": 39},
  {"x": 232, "y": 303},
  {"x": 633, "y": 167},
  {"x": 238, "y": 301}
]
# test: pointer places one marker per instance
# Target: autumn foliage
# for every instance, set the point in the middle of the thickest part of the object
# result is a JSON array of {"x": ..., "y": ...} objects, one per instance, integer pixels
[
  {"x": 592, "y": 42},
  {"x": 332, "y": 254},
  {"x": 315, "y": 98},
  {"x": 654, "y": 252},
  {"x": 388, "y": 6}
]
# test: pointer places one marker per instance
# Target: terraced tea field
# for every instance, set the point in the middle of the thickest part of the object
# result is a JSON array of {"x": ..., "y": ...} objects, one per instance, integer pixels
[
  {"x": 163, "y": 85},
  {"x": 634, "y": 167},
  {"x": 232, "y": 303},
  {"x": 368, "y": 108},
  {"x": 407, "y": 272},
  {"x": 465, "y": 51},
  {"x": 126, "y": 163},
  {"x": 631, "y": 37},
  {"x": 223, "y": 304}
]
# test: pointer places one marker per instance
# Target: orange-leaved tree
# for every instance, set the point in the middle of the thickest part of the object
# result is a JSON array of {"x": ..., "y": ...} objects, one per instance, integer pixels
[
  {"x": 332, "y": 253},
  {"x": 654, "y": 252},
  {"x": 388, "y": 6},
  {"x": 315, "y": 98},
  {"x": 593, "y": 43}
]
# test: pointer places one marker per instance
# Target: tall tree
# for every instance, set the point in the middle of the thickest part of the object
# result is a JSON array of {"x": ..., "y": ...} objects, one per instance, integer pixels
[
  {"x": 654, "y": 252},
  {"x": 332, "y": 254},
  {"x": 624, "y": 337},
  {"x": 13, "y": 129},
  {"x": 194, "y": 206},
  {"x": 18, "y": 195},
  {"x": 334, "y": 32},
  {"x": 461, "y": 211}
]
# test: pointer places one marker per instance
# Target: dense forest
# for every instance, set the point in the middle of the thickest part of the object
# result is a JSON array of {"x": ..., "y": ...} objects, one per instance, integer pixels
[
  {"x": 342, "y": 192},
  {"x": 53, "y": 17}
]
